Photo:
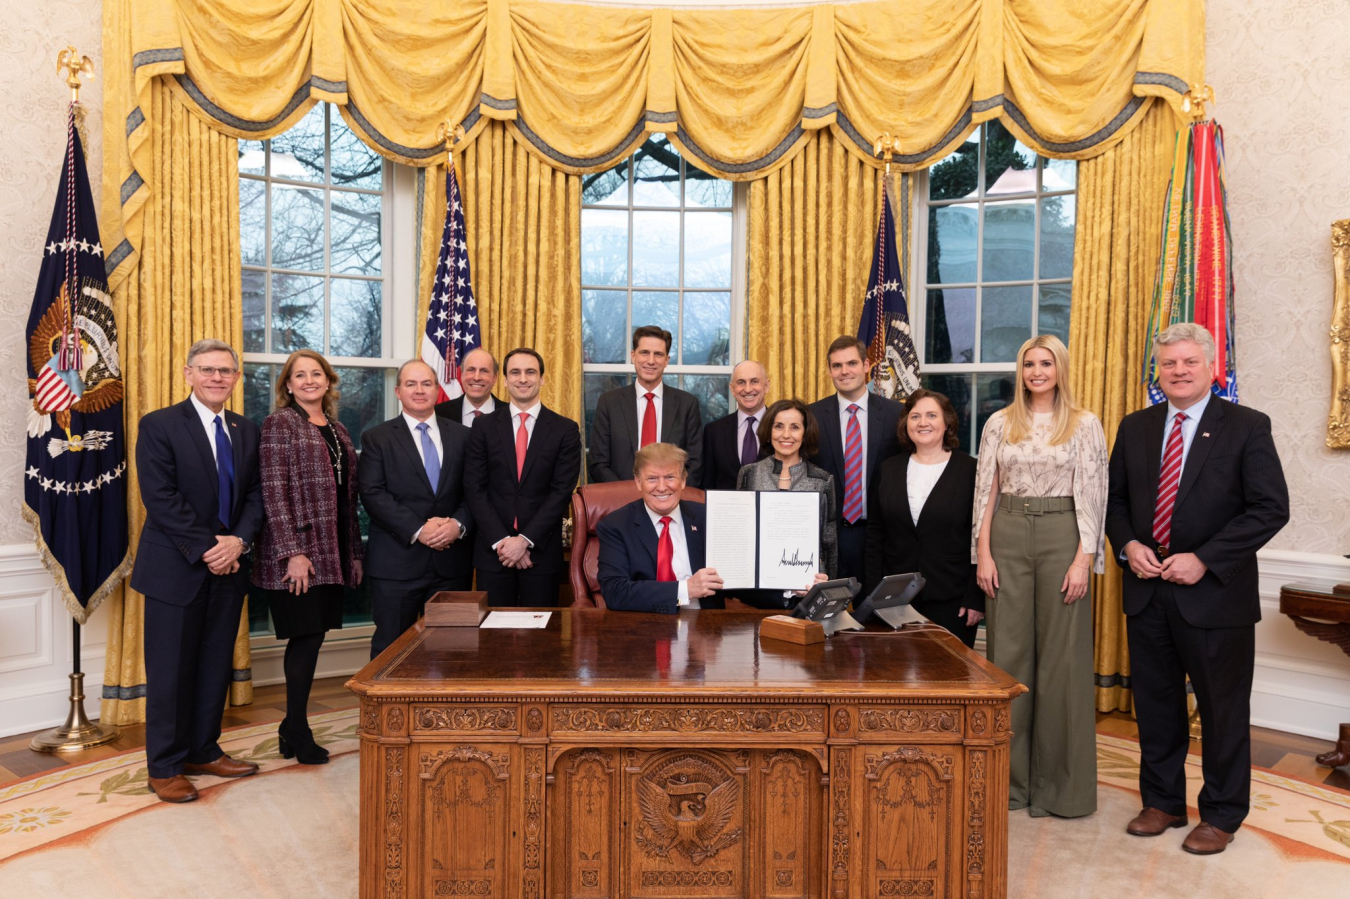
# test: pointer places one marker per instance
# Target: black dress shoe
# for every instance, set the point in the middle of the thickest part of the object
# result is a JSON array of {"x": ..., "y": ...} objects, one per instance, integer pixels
[{"x": 299, "y": 745}]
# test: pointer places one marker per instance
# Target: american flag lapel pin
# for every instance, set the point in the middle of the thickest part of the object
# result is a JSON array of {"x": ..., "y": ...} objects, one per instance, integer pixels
[
  {"x": 1206, "y": 434},
  {"x": 693, "y": 527}
]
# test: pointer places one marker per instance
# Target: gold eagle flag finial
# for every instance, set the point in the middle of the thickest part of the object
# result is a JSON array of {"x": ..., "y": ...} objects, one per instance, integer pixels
[
  {"x": 1194, "y": 100},
  {"x": 887, "y": 146},
  {"x": 72, "y": 65},
  {"x": 449, "y": 134}
]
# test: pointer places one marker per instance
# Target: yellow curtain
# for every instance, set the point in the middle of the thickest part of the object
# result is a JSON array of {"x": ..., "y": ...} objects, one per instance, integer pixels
[
  {"x": 1120, "y": 201},
  {"x": 523, "y": 220},
  {"x": 186, "y": 287}
]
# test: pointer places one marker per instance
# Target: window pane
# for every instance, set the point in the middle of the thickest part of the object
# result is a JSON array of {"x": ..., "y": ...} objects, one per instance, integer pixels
[
  {"x": 656, "y": 174},
  {"x": 1009, "y": 241},
  {"x": 957, "y": 389},
  {"x": 950, "y": 332},
  {"x": 356, "y": 233},
  {"x": 656, "y": 245},
  {"x": 362, "y": 404},
  {"x": 604, "y": 248},
  {"x": 707, "y": 249},
  {"x": 704, "y": 190},
  {"x": 298, "y": 153},
  {"x": 713, "y": 393},
  {"x": 353, "y": 163},
  {"x": 258, "y": 384},
  {"x": 957, "y": 175},
  {"x": 1005, "y": 322},
  {"x": 1058, "y": 174},
  {"x": 606, "y": 188},
  {"x": 1057, "y": 223},
  {"x": 604, "y": 326},
  {"x": 252, "y": 158},
  {"x": 297, "y": 228},
  {"x": 356, "y": 318},
  {"x": 1053, "y": 314},
  {"x": 255, "y": 311},
  {"x": 1010, "y": 166},
  {"x": 660, "y": 308},
  {"x": 953, "y": 232},
  {"x": 252, "y": 222},
  {"x": 595, "y": 383},
  {"x": 706, "y": 335},
  {"x": 297, "y": 313},
  {"x": 993, "y": 392}
]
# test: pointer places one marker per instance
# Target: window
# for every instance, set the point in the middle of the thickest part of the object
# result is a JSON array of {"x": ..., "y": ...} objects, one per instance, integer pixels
[
  {"x": 315, "y": 205},
  {"x": 661, "y": 244},
  {"x": 996, "y": 231}
]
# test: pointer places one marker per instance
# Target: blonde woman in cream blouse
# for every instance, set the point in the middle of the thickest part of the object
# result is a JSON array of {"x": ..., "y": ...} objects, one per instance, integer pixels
[{"x": 1040, "y": 505}]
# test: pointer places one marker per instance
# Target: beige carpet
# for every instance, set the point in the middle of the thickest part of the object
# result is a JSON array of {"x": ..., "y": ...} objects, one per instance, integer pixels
[{"x": 292, "y": 831}]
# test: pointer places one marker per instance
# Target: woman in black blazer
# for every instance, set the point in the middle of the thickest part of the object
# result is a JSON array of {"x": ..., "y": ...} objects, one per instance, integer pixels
[{"x": 919, "y": 516}]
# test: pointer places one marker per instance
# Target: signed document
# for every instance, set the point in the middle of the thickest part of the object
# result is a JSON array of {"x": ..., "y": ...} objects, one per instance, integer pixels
[{"x": 763, "y": 540}]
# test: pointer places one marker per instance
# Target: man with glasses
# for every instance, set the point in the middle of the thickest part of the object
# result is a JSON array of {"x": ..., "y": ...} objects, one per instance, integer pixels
[{"x": 198, "y": 470}]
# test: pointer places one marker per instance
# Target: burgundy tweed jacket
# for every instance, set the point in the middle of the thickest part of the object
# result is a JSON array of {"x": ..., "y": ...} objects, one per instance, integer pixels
[{"x": 300, "y": 502}]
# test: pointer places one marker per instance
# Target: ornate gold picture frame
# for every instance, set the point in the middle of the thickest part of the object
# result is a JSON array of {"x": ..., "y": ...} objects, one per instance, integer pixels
[{"x": 1338, "y": 423}]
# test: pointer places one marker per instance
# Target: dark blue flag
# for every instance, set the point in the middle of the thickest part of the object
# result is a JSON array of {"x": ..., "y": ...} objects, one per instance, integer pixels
[
  {"x": 75, "y": 493},
  {"x": 885, "y": 318}
]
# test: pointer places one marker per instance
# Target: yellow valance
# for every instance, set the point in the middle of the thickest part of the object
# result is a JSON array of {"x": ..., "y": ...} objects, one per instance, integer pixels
[{"x": 738, "y": 90}]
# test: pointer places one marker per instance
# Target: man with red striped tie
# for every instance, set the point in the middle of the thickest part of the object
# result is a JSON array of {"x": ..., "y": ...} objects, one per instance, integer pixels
[{"x": 1196, "y": 489}]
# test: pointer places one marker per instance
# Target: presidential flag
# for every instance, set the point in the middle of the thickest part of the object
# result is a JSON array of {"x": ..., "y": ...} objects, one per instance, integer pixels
[
  {"x": 452, "y": 318},
  {"x": 885, "y": 318},
  {"x": 75, "y": 493}
]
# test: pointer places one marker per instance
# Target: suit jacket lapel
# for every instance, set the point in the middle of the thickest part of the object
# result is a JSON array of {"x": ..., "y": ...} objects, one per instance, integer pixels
[
  {"x": 446, "y": 450},
  {"x": 1153, "y": 441},
  {"x": 874, "y": 435},
  {"x": 198, "y": 436},
  {"x": 408, "y": 441},
  {"x": 237, "y": 451},
  {"x": 630, "y": 419},
  {"x": 646, "y": 534},
  {"x": 532, "y": 449},
  {"x": 1206, "y": 433},
  {"x": 506, "y": 435},
  {"x": 668, "y": 419},
  {"x": 834, "y": 438},
  {"x": 694, "y": 531},
  {"x": 903, "y": 487}
]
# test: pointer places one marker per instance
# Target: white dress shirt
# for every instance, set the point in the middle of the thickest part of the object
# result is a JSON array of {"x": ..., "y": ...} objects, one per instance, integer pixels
[
  {"x": 657, "y": 393},
  {"x": 467, "y": 418},
  {"x": 679, "y": 559},
  {"x": 843, "y": 441},
  {"x": 1188, "y": 427},
  {"x": 208, "y": 419},
  {"x": 919, "y": 482}
]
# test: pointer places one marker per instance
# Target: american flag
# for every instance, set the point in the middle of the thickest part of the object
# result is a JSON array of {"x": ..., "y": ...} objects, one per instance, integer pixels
[
  {"x": 452, "y": 318},
  {"x": 885, "y": 319}
]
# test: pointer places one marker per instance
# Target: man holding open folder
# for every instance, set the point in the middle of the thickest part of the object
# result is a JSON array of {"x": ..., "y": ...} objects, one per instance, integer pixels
[{"x": 652, "y": 550}]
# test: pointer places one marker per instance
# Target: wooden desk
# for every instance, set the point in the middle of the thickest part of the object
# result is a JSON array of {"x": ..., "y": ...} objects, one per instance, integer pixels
[
  {"x": 616, "y": 754},
  {"x": 1322, "y": 610}
]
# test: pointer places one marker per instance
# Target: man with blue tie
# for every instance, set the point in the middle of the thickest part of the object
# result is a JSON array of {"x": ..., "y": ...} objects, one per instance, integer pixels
[
  {"x": 198, "y": 470},
  {"x": 411, "y": 481}
]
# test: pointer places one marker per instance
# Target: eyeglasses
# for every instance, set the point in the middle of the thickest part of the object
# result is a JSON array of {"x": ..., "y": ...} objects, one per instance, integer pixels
[{"x": 211, "y": 371}]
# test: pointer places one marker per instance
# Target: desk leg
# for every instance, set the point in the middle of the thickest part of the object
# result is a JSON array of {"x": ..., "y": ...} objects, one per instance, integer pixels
[
  {"x": 532, "y": 886},
  {"x": 1340, "y": 753},
  {"x": 841, "y": 816}
]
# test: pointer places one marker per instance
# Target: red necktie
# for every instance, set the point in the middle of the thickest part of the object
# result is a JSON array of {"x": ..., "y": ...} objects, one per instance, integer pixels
[
  {"x": 649, "y": 422},
  {"x": 1169, "y": 478},
  {"x": 478, "y": 413},
  {"x": 665, "y": 552},
  {"x": 853, "y": 467},
  {"x": 522, "y": 444}
]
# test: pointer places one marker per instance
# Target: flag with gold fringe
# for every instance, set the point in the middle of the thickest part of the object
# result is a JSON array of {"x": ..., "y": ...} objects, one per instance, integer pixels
[
  {"x": 884, "y": 326},
  {"x": 1195, "y": 269}
]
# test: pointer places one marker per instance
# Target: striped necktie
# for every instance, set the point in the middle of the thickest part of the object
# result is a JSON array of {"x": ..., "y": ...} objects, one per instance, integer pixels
[
  {"x": 853, "y": 467},
  {"x": 1169, "y": 479}
]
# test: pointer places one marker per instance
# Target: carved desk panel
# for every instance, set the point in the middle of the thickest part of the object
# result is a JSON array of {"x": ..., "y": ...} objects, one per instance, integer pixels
[{"x": 647, "y": 756}]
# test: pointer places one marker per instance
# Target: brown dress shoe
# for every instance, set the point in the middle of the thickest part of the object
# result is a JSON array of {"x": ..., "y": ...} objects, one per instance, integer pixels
[
  {"x": 223, "y": 767},
  {"x": 173, "y": 789},
  {"x": 1339, "y": 754},
  {"x": 1206, "y": 839},
  {"x": 1151, "y": 822}
]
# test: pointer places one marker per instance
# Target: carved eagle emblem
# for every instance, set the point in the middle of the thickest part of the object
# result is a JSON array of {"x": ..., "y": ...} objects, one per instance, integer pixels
[
  {"x": 687, "y": 813},
  {"x": 98, "y": 383}
]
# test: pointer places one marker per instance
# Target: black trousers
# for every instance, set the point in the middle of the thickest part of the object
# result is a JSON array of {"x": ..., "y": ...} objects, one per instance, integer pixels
[
  {"x": 852, "y": 550},
  {"x": 189, "y": 660},
  {"x": 520, "y": 587},
  {"x": 1164, "y": 648},
  {"x": 396, "y": 605}
]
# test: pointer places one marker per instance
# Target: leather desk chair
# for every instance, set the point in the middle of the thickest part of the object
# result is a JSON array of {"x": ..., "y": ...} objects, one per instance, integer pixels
[{"x": 590, "y": 504}]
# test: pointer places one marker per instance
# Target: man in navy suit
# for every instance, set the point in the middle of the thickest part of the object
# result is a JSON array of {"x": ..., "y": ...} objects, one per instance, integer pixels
[
  {"x": 477, "y": 375},
  {"x": 522, "y": 465},
  {"x": 1196, "y": 489},
  {"x": 198, "y": 470},
  {"x": 732, "y": 440},
  {"x": 854, "y": 418},
  {"x": 418, "y": 545},
  {"x": 652, "y": 550}
]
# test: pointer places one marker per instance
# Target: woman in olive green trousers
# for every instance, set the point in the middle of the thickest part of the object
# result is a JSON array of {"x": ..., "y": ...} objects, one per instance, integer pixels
[{"x": 1040, "y": 504}]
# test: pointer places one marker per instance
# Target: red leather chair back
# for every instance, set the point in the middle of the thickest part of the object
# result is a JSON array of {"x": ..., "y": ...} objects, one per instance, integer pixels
[{"x": 590, "y": 504}]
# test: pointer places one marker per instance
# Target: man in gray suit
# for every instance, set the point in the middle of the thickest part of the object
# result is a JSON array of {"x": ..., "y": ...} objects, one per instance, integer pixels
[{"x": 629, "y": 418}]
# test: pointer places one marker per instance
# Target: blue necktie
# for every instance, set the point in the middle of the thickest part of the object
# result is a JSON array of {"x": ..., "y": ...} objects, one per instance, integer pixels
[
  {"x": 224, "y": 473},
  {"x": 430, "y": 460}
]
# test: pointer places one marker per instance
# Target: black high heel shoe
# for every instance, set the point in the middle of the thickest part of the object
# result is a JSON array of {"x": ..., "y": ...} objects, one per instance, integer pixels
[{"x": 300, "y": 746}]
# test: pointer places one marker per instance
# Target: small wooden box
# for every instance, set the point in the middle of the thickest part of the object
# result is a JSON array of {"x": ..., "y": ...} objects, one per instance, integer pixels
[
  {"x": 791, "y": 630},
  {"x": 456, "y": 609}
]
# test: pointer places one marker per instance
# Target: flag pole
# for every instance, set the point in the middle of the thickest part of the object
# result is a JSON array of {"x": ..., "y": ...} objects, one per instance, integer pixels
[{"x": 78, "y": 732}]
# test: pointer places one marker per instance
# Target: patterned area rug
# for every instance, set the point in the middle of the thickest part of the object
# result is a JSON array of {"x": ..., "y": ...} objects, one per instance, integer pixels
[{"x": 292, "y": 830}]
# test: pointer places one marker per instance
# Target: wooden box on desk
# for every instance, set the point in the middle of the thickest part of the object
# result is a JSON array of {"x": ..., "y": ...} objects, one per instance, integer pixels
[
  {"x": 791, "y": 630},
  {"x": 456, "y": 609}
]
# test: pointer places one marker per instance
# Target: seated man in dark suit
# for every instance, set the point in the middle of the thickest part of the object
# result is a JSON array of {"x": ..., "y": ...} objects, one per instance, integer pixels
[
  {"x": 199, "y": 480},
  {"x": 417, "y": 545},
  {"x": 732, "y": 440},
  {"x": 477, "y": 375},
  {"x": 523, "y": 464},
  {"x": 652, "y": 550}
]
